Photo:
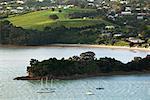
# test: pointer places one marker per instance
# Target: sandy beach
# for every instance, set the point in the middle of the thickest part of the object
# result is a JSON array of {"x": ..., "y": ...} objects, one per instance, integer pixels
[
  {"x": 82, "y": 45},
  {"x": 101, "y": 46}
]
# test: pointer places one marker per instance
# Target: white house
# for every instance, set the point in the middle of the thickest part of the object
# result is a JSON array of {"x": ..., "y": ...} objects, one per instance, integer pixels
[
  {"x": 118, "y": 35},
  {"x": 1, "y": 7},
  {"x": 20, "y": 2},
  {"x": 140, "y": 17},
  {"x": 114, "y": 0},
  {"x": 20, "y": 8},
  {"x": 14, "y": 11},
  {"x": 124, "y": 2},
  {"x": 126, "y": 13},
  {"x": 40, "y": 0},
  {"x": 90, "y": 0},
  {"x": 134, "y": 40},
  {"x": 8, "y": 8},
  {"x": 128, "y": 9},
  {"x": 110, "y": 27}
]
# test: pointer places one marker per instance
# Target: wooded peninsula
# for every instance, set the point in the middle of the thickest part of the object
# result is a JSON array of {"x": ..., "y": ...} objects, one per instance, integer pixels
[{"x": 85, "y": 65}]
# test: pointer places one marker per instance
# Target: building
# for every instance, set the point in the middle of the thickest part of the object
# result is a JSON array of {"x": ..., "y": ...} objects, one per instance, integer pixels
[
  {"x": 140, "y": 17},
  {"x": 135, "y": 41},
  {"x": 20, "y": 8},
  {"x": 123, "y": 2},
  {"x": 20, "y": 2},
  {"x": 110, "y": 27},
  {"x": 126, "y": 13}
]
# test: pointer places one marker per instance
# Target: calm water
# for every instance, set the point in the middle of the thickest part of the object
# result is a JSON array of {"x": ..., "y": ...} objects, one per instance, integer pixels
[{"x": 13, "y": 62}]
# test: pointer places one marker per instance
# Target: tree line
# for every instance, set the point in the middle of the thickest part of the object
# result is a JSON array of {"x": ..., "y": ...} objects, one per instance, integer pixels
[
  {"x": 85, "y": 64},
  {"x": 10, "y": 34}
]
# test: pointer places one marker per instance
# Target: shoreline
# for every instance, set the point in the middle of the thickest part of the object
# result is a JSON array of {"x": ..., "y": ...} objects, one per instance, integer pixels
[
  {"x": 83, "y": 46},
  {"x": 76, "y": 77},
  {"x": 101, "y": 46}
]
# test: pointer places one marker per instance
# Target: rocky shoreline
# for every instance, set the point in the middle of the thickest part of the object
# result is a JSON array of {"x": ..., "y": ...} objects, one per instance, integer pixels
[{"x": 75, "y": 77}]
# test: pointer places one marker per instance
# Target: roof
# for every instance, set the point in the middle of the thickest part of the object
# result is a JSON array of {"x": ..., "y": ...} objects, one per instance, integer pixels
[{"x": 133, "y": 40}]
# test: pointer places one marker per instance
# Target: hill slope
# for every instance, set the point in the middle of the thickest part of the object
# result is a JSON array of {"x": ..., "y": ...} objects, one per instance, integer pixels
[{"x": 40, "y": 19}]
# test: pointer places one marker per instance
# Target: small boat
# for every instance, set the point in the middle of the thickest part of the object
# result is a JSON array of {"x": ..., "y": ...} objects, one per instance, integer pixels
[
  {"x": 51, "y": 87},
  {"x": 99, "y": 88},
  {"x": 89, "y": 93},
  {"x": 46, "y": 89}
]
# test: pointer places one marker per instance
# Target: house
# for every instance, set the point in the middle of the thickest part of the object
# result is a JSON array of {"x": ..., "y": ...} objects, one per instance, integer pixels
[
  {"x": 110, "y": 27},
  {"x": 14, "y": 11},
  {"x": 1, "y": 7},
  {"x": 117, "y": 35},
  {"x": 114, "y": 0},
  {"x": 90, "y": 0},
  {"x": 123, "y": 2},
  {"x": 44, "y": 8},
  {"x": 20, "y": 8},
  {"x": 139, "y": 17},
  {"x": 128, "y": 9},
  {"x": 40, "y": 0},
  {"x": 90, "y": 4},
  {"x": 126, "y": 13},
  {"x": 3, "y": 11},
  {"x": 68, "y": 6},
  {"x": 138, "y": 9},
  {"x": 8, "y": 8},
  {"x": 108, "y": 34},
  {"x": 20, "y": 2},
  {"x": 135, "y": 41}
]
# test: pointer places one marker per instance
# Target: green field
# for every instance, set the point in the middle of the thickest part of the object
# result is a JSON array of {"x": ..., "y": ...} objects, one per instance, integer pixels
[{"x": 40, "y": 19}]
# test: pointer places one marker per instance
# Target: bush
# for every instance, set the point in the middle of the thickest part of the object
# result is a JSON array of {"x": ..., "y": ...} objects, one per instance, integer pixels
[{"x": 54, "y": 17}]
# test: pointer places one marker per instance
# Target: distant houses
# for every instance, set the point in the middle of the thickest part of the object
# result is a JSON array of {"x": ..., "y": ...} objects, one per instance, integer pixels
[{"x": 135, "y": 40}]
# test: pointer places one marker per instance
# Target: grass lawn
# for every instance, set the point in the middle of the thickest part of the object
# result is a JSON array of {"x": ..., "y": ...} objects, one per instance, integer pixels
[
  {"x": 40, "y": 19},
  {"x": 121, "y": 43}
]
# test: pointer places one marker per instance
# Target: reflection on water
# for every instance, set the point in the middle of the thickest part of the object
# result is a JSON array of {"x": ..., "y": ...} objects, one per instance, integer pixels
[{"x": 13, "y": 62}]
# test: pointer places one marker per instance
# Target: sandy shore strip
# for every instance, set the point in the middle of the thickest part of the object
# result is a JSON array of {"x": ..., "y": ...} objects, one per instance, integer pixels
[
  {"x": 101, "y": 46},
  {"x": 81, "y": 45}
]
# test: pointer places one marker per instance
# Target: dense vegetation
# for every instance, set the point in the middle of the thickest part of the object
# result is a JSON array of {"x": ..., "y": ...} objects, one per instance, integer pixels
[
  {"x": 85, "y": 64},
  {"x": 12, "y": 35},
  {"x": 73, "y": 25},
  {"x": 60, "y": 34}
]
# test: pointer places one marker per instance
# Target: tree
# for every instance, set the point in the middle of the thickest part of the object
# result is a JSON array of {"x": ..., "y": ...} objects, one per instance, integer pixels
[
  {"x": 87, "y": 55},
  {"x": 59, "y": 10},
  {"x": 131, "y": 44},
  {"x": 33, "y": 62},
  {"x": 53, "y": 9}
]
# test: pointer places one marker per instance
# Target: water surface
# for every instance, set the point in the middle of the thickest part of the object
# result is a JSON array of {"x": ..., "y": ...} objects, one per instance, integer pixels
[{"x": 13, "y": 62}]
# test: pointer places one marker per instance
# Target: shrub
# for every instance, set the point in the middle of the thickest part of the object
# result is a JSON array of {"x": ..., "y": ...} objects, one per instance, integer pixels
[{"x": 54, "y": 17}]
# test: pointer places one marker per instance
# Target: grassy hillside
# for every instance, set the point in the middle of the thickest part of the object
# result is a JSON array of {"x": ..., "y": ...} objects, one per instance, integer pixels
[{"x": 40, "y": 19}]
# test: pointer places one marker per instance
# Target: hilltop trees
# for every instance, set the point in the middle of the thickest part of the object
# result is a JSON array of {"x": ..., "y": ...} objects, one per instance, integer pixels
[
  {"x": 87, "y": 56},
  {"x": 33, "y": 62}
]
